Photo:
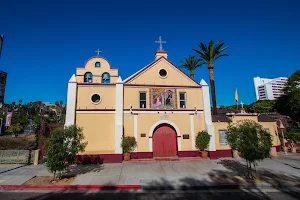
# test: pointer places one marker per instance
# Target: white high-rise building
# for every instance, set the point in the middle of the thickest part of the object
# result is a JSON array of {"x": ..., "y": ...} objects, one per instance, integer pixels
[{"x": 269, "y": 89}]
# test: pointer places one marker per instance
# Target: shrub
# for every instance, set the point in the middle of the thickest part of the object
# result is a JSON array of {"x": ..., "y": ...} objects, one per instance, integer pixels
[
  {"x": 202, "y": 140},
  {"x": 14, "y": 129},
  {"x": 62, "y": 148},
  {"x": 293, "y": 136},
  {"x": 251, "y": 141},
  {"x": 128, "y": 144}
]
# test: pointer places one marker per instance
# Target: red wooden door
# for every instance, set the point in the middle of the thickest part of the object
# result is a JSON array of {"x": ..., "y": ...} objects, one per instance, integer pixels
[{"x": 164, "y": 142}]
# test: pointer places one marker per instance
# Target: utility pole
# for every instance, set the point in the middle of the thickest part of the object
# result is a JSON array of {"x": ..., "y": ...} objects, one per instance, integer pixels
[{"x": 1, "y": 42}]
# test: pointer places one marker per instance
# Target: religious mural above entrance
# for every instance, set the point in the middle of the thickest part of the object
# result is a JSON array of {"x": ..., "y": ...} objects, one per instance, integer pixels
[{"x": 163, "y": 98}]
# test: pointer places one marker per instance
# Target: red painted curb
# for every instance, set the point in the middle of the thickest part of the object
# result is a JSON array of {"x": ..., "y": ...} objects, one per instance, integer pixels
[{"x": 103, "y": 187}]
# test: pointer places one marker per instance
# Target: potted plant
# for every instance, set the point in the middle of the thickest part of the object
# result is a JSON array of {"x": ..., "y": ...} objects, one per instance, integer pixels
[
  {"x": 128, "y": 144},
  {"x": 202, "y": 141},
  {"x": 294, "y": 137}
]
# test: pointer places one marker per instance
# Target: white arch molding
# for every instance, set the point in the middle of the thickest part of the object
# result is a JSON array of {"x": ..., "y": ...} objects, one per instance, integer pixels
[{"x": 164, "y": 122}]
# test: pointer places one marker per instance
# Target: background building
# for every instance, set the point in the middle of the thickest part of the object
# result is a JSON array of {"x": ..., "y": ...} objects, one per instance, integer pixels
[
  {"x": 3, "y": 76},
  {"x": 269, "y": 89}
]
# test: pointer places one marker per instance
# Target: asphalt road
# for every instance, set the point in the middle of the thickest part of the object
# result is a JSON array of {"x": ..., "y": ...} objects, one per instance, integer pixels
[{"x": 141, "y": 195}]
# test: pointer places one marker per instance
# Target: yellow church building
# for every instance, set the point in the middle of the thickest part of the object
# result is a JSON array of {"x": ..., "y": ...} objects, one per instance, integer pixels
[{"x": 159, "y": 105}]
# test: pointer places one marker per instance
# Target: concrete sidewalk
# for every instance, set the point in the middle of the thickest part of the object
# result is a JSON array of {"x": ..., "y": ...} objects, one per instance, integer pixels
[
  {"x": 178, "y": 173},
  {"x": 165, "y": 174},
  {"x": 20, "y": 175}
]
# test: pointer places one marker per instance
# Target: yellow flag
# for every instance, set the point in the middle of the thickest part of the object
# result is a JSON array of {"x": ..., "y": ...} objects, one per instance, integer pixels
[{"x": 236, "y": 95}]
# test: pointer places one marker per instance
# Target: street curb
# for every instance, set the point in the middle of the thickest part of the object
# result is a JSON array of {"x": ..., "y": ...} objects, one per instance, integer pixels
[
  {"x": 221, "y": 187},
  {"x": 103, "y": 187},
  {"x": 151, "y": 188}
]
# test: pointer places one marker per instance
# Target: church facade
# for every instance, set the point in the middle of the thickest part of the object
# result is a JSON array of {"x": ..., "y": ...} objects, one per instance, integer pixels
[{"x": 160, "y": 105}]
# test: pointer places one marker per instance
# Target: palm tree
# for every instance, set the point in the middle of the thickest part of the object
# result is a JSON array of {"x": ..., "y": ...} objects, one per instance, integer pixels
[
  {"x": 192, "y": 63},
  {"x": 209, "y": 54}
]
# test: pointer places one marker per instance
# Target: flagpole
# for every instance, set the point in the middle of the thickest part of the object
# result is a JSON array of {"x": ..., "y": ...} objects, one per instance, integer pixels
[{"x": 235, "y": 96}]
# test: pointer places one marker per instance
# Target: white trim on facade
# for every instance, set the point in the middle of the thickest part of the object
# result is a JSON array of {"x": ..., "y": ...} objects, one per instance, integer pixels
[
  {"x": 164, "y": 112},
  {"x": 192, "y": 131},
  {"x": 119, "y": 116},
  {"x": 95, "y": 112},
  {"x": 138, "y": 112},
  {"x": 164, "y": 122},
  {"x": 207, "y": 116},
  {"x": 71, "y": 101},
  {"x": 135, "y": 129}
]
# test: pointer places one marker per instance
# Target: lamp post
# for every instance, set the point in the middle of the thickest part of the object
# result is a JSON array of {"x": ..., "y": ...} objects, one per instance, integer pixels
[{"x": 281, "y": 127}]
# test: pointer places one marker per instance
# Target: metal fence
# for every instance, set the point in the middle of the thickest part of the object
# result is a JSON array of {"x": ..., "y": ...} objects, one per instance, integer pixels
[{"x": 16, "y": 156}]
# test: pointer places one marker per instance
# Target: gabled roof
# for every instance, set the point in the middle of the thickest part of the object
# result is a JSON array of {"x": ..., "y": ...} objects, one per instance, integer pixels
[
  {"x": 265, "y": 118},
  {"x": 141, "y": 71},
  {"x": 220, "y": 118}
]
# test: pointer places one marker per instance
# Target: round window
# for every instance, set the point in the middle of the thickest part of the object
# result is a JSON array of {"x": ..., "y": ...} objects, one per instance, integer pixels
[
  {"x": 163, "y": 73},
  {"x": 96, "y": 98}
]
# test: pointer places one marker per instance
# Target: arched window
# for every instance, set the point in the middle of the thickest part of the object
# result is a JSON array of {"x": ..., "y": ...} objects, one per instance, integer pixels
[
  {"x": 97, "y": 64},
  {"x": 105, "y": 78},
  {"x": 88, "y": 77}
]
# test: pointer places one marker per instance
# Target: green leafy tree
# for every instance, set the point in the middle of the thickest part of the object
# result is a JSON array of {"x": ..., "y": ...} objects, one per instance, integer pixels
[
  {"x": 62, "y": 147},
  {"x": 251, "y": 141},
  {"x": 202, "y": 140},
  {"x": 293, "y": 136},
  {"x": 261, "y": 106},
  {"x": 209, "y": 54},
  {"x": 289, "y": 103},
  {"x": 192, "y": 63},
  {"x": 14, "y": 129}
]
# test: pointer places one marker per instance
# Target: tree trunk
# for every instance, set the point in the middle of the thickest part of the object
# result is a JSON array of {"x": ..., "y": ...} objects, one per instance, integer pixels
[
  {"x": 213, "y": 90},
  {"x": 192, "y": 74}
]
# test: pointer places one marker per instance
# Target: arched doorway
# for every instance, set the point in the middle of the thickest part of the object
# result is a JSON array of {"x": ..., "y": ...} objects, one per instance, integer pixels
[{"x": 164, "y": 141}]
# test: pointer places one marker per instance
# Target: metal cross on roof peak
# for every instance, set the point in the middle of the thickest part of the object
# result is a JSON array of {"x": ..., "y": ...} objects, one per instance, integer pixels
[
  {"x": 160, "y": 41},
  {"x": 98, "y": 52}
]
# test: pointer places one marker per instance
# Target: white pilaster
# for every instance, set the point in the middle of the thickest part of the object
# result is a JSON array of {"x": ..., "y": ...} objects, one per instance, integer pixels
[
  {"x": 192, "y": 131},
  {"x": 207, "y": 116},
  {"x": 71, "y": 101},
  {"x": 119, "y": 116},
  {"x": 135, "y": 129}
]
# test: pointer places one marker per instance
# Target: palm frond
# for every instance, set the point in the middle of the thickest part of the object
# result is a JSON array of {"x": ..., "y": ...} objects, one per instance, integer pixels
[
  {"x": 191, "y": 63},
  {"x": 220, "y": 56}
]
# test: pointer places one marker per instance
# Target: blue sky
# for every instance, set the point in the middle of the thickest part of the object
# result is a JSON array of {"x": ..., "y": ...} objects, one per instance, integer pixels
[{"x": 46, "y": 40}]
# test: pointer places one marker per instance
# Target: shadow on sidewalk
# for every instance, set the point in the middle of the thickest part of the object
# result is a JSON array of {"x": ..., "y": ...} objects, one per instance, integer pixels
[
  {"x": 75, "y": 170},
  {"x": 237, "y": 171},
  {"x": 222, "y": 185}
]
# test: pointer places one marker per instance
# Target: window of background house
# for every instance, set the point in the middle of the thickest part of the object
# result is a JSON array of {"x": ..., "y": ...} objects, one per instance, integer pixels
[
  {"x": 222, "y": 137},
  {"x": 142, "y": 99},
  {"x": 182, "y": 99}
]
